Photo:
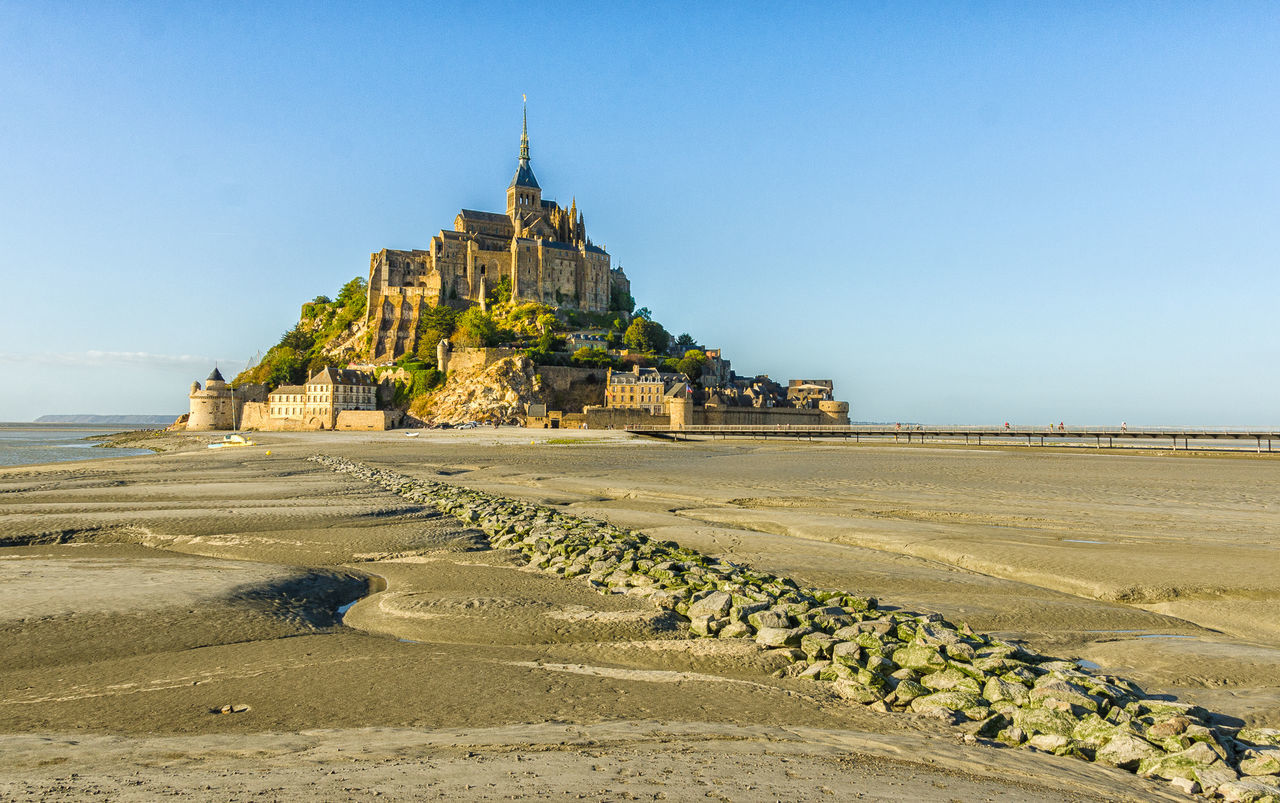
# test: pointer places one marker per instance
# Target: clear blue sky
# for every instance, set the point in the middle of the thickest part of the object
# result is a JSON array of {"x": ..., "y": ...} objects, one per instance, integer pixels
[{"x": 960, "y": 212}]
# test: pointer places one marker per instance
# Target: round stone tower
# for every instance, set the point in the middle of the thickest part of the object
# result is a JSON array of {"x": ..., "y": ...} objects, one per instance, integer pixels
[
  {"x": 443, "y": 349},
  {"x": 213, "y": 407},
  {"x": 680, "y": 410},
  {"x": 834, "y": 412}
]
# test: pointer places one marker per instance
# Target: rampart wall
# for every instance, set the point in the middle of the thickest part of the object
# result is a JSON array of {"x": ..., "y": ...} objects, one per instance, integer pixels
[{"x": 367, "y": 420}]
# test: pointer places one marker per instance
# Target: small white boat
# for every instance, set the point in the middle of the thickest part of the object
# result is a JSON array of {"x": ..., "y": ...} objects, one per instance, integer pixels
[
  {"x": 411, "y": 434},
  {"x": 231, "y": 440}
]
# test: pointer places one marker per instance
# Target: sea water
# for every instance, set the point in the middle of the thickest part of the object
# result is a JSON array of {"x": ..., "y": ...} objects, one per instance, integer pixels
[{"x": 22, "y": 443}]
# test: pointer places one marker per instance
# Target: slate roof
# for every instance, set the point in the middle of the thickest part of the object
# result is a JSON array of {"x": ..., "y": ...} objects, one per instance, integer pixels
[
  {"x": 524, "y": 176},
  {"x": 216, "y": 376},
  {"x": 340, "y": 376},
  {"x": 492, "y": 217}
]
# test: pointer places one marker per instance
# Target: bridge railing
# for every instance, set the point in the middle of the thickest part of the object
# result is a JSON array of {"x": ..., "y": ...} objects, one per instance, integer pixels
[{"x": 975, "y": 429}]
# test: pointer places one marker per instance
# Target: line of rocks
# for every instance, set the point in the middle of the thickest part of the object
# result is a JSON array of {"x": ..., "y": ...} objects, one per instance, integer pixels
[{"x": 886, "y": 660}]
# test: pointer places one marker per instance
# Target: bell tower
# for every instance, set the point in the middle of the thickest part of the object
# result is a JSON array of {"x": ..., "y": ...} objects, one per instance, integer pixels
[{"x": 524, "y": 195}]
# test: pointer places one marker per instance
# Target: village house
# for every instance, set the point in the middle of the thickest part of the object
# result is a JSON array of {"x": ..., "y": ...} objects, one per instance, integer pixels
[
  {"x": 642, "y": 389},
  {"x": 333, "y": 390},
  {"x": 288, "y": 401},
  {"x": 808, "y": 392}
]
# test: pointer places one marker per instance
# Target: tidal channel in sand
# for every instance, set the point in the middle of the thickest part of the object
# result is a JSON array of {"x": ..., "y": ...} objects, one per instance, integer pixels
[{"x": 145, "y": 593}]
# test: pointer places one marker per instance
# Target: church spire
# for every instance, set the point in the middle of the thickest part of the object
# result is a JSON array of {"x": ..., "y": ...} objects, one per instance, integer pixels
[
  {"x": 524, "y": 194},
  {"x": 524, "y": 134}
]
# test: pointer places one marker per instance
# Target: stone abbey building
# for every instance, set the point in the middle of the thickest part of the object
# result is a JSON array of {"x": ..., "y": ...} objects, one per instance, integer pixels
[{"x": 541, "y": 247}]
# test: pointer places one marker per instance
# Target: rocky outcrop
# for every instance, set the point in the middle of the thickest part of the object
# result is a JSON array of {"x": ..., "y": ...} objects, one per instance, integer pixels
[
  {"x": 886, "y": 660},
  {"x": 497, "y": 394}
]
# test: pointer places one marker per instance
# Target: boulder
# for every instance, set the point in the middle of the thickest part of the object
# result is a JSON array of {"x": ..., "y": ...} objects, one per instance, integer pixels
[
  {"x": 1126, "y": 751},
  {"x": 770, "y": 618},
  {"x": 1012, "y": 736},
  {"x": 1048, "y": 742},
  {"x": 1261, "y": 761},
  {"x": 714, "y": 604},
  {"x": 817, "y": 645},
  {"x": 919, "y": 657},
  {"x": 1213, "y": 776},
  {"x": 997, "y": 691},
  {"x": 1183, "y": 764},
  {"x": 1044, "y": 720},
  {"x": 855, "y": 691},
  {"x": 1248, "y": 790},
  {"x": 704, "y": 625},
  {"x": 846, "y": 652},
  {"x": 1048, "y": 688},
  {"x": 1259, "y": 736},
  {"x": 952, "y": 700},
  {"x": 780, "y": 636},
  {"x": 908, "y": 690}
]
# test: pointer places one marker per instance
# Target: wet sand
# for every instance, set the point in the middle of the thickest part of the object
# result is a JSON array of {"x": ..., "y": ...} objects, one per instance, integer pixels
[{"x": 139, "y": 596}]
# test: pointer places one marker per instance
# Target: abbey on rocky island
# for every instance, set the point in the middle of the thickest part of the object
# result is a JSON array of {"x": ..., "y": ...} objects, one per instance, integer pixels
[{"x": 538, "y": 246}]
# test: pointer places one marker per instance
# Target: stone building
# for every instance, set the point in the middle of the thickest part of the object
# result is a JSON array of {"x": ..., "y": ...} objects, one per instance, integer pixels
[
  {"x": 331, "y": 399},
  {"x": 646, "y": 389},
  {"x": 288, "y": 401},
  {"x": 539, "y": 247},
  {"x": 332, "y": 391},
  {"x": 808, "y": 392},
  {"x": 218, "y": 405}
]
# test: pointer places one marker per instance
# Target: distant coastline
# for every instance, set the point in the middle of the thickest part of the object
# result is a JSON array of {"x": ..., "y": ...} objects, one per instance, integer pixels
[{"x": 109, "y": 420}]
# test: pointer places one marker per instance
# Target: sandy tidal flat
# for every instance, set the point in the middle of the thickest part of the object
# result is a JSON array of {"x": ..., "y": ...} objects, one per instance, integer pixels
[{"x": 139, "y": 596}]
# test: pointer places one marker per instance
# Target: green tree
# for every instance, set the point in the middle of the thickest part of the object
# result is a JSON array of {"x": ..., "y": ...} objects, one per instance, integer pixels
[
  {"x": 620, "y": 300},
  {"x": 670, "y": 365},
  {"x": 284, "y": 367},
  {"x": 692, "y": 363},
  {"x": 592, "y": 357},
  {"x": 644, "y": 312},
  {"x": 434, "y": 325},
  {"x": 476, "y": 329},
  {"x": 500, "y": 293},
  {"x": 353, "y": 293},
  {"x": 297, "y": 339},
  {"x": 646, "y": 336},
  {"x": 547, "y": 322},
  {"x": 685, "y": 341}
]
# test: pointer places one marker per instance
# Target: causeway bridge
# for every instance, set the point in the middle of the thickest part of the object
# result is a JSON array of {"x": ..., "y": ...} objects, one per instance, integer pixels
[{"x": 1236, "y": 438}]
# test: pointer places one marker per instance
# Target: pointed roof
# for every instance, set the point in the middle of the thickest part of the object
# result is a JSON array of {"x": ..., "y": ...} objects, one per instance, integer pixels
[
  {"x": 524, "y": 173},
  {"x": 216, "y": 376}
]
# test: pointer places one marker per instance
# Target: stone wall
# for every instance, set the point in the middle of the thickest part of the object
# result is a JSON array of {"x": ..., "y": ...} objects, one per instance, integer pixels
[
  {"x": 759, "y": 417},
  {"x": 681, "y": 412},
  {"x": 620, "y": 418},
  {"x": 368, "y": 420},
  {"x": 257, "y": 416},
  {"x": 468, "y": 360}
]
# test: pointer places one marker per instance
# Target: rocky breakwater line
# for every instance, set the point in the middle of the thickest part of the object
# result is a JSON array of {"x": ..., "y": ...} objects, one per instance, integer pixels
[{"x": 886, "y": 660}]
